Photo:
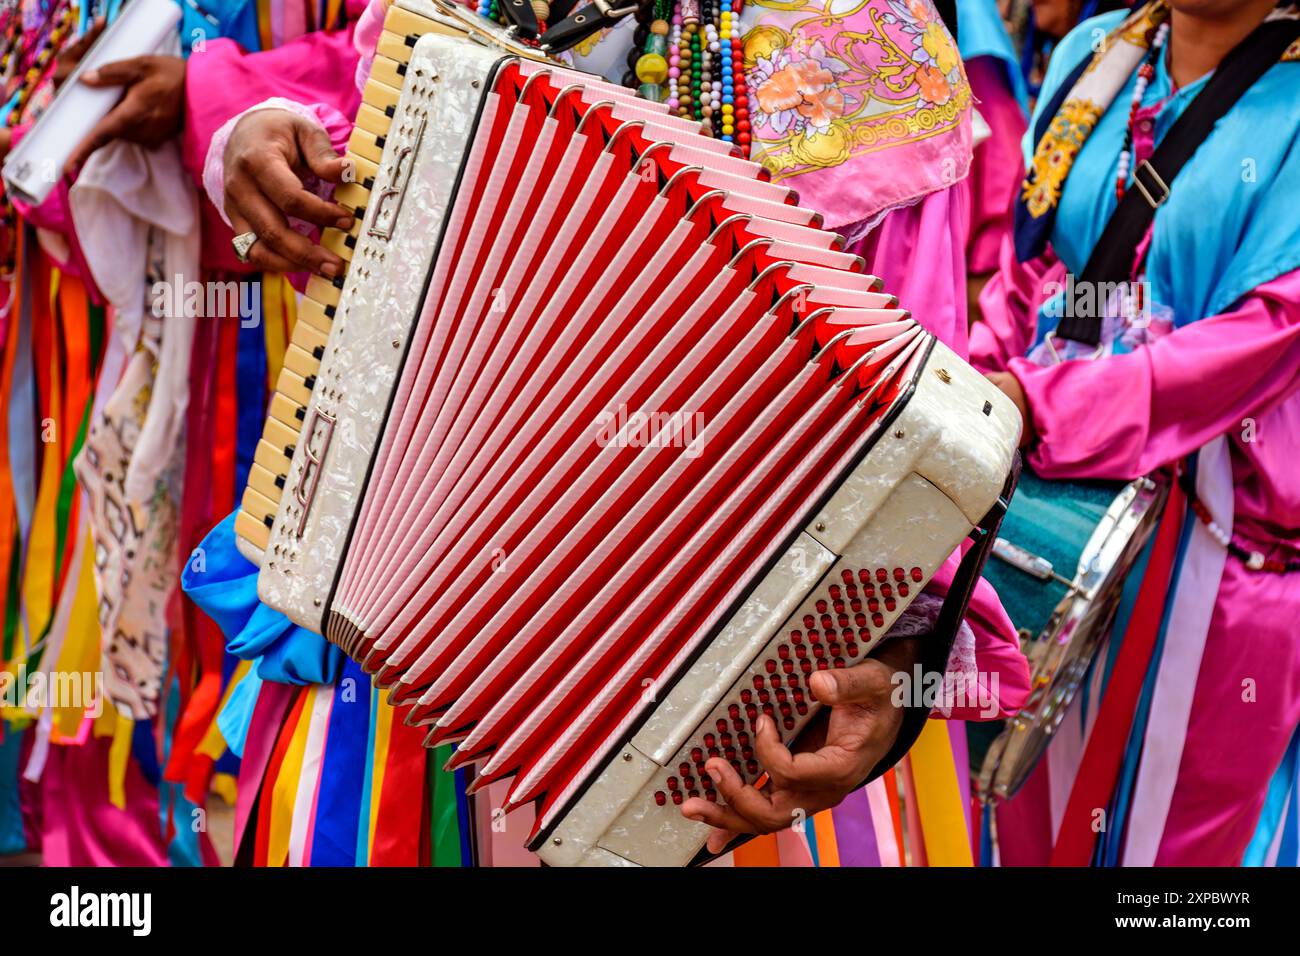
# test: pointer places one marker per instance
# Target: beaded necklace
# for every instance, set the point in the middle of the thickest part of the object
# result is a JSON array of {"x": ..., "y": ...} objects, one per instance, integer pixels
[
  {"x": 1254, "y": 560},
  {"x": 1145, "y": 74},
  {"x": 688, "y": 54}
]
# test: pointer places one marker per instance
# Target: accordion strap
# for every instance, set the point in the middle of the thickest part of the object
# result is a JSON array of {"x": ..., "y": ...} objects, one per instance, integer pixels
[{"x": 583, "y": 22}]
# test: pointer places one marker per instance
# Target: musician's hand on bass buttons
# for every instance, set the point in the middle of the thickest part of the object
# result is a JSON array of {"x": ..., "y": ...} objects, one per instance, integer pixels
[
  {"x": 832, "y": 757},
  {"x": 271, "y": 153}
]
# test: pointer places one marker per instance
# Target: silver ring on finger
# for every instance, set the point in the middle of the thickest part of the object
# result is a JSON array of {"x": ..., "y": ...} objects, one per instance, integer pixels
[{"x": 243, "y": 243}]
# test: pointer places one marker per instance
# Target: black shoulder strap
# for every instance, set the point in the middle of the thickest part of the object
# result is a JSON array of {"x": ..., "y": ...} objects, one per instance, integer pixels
[{"x": 1112, "y": 257}]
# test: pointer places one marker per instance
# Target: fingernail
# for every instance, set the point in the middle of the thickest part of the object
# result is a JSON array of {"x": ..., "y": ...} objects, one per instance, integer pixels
[
  {"x": 90, "y": 76},
  {"x": 345, "y": 223},
  {"x": 329, "y": 269}
]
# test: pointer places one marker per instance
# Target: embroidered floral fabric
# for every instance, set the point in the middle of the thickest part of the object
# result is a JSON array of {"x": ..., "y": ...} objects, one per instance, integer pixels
[{"x": 868, "y": 105}]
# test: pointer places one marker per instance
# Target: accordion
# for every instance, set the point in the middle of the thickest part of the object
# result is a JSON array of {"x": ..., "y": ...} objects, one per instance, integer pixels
[{"x": 603, "y": 447}]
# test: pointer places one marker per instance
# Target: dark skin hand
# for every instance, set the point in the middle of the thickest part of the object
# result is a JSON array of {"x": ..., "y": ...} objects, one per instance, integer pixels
[
  {"x": 269, "y": 155},
  {"x": 71, "y": 54},
  {"x": 1010, "y": 386},
  {"x": 830, "y": 760},
  {"x": 152, "y": 108}
]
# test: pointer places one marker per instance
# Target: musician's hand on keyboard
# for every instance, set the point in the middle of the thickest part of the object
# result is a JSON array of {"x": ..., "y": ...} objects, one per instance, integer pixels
[
  {"x": 270, "y": 154},
  {"x": 831, "y": 758},
  {"x": 1010, "y": 386},
  {"x": 152, "y": 107}
]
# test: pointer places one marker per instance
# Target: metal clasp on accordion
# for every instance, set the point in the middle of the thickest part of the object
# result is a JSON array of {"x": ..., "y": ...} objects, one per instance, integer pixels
[
  {"x": 385, "y": 215},
  {"x": 305, "y": 490}
]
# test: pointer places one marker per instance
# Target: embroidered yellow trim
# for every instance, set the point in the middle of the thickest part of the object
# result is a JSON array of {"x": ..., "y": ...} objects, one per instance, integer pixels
[{"x": 1056, "y": 152}]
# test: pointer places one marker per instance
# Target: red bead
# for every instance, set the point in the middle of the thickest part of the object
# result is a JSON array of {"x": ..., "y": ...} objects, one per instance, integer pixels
[{"x": 661, "y": 798}]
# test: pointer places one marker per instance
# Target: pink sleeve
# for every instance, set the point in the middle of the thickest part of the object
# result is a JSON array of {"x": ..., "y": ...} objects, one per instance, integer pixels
[
  {"x": 335, "y": 124},
  {"x": 222, "y": 82},
  {"x": 1124, "y": 415},
  {"x": 989, "y": 676},
  {"x": 919, "y": 253},
  {"x": 997, "y": 167},
  {"x": 366, "y": 38},
  {"x": 1008, "y": 306}
]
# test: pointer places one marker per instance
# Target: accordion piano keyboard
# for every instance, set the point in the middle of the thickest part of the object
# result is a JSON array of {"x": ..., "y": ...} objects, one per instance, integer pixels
[{"x": 316, "y": 310}]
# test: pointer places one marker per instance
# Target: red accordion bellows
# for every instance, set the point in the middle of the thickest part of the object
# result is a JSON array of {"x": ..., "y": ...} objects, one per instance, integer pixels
[{"x": 626, "y": 390}]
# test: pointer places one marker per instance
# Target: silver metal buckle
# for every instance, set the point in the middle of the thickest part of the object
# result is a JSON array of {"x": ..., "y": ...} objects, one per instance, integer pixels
[
  {"x": 611, "y": 12},
  {"x": 1159, "y": 183}
]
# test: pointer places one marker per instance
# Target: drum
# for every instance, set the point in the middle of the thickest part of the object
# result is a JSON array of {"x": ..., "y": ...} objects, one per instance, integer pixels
[{"x": 1059, "y": 566}]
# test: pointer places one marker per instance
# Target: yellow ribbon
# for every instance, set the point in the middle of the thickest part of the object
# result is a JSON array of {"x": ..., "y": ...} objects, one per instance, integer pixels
[
  {"x": 285, "y": 792},
  {"x": 213, "y": 743},
  {"x": 383, "y": 732},
  {"x": 119, "y": 754},
  {"x": 938, "y": 798},
  {"x": 273, "y": 325}
]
